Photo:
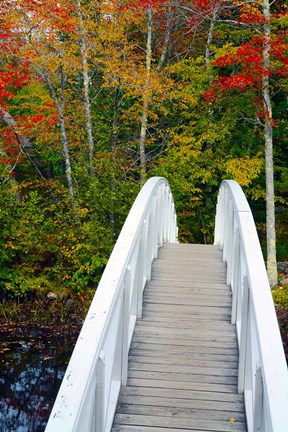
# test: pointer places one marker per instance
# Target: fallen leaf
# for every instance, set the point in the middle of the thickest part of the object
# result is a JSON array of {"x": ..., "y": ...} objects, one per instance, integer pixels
[{"x": 47, "y": 357}]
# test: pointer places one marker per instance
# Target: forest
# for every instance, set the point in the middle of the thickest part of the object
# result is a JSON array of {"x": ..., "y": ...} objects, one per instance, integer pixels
[{"x": 97, "y": 96}]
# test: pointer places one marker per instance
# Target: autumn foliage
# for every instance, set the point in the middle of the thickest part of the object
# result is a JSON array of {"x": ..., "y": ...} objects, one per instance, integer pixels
[{"x": 76, "y": 79}]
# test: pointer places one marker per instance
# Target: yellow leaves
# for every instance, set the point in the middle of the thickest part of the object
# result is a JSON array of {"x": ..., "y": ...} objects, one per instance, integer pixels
[
  {"x": 83, "y": 212},
  {"x": 244, "y": 169},
  {"x": 228, "y": 48},
  {"x": 232, "y": 420}
]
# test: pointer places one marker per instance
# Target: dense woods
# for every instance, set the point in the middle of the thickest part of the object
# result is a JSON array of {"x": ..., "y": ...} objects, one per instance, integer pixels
[{"x": 97, "y": 96}]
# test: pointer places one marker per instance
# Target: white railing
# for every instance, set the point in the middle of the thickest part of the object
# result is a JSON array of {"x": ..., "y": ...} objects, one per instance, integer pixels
[
  {"x": 89, "y": 391},
  {"x": 262, "y": 367}
]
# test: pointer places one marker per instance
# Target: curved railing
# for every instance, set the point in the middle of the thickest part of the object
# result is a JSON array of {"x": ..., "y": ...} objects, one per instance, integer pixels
[
  {"x": 262, "y": 367},
  {"x": 88, "y": 395}
]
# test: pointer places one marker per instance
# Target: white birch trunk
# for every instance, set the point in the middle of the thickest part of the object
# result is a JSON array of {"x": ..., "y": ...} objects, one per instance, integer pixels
[
  {"x": 60, "y": 104},
  {"x": 268, "y": 133},
  {"x": 86, "y": 82},
  {"x": 145, "y": 100}
]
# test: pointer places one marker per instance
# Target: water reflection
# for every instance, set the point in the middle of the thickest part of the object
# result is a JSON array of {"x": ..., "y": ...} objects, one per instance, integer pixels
[{"x": 32, "y": 366}]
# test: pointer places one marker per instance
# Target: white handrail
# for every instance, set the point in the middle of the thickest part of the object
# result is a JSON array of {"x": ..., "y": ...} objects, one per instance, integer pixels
[
  {"x": 263, "y": 373},
  {"x": 89, "y": 391}
]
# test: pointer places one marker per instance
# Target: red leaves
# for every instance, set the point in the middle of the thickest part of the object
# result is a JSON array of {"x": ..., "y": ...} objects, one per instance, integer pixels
[
  {"x": 252, "y": 18},
  {"x": 9, "y": 79},
  {"x": 249, "y": 58},
  {"x": 247, "y": 54},
  {"x": 204, "y": 4},
  {"x": 240, "y": 82}
]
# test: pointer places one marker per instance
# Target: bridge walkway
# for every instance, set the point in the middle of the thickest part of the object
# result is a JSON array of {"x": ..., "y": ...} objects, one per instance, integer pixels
[{"x": 183, "y": 359}]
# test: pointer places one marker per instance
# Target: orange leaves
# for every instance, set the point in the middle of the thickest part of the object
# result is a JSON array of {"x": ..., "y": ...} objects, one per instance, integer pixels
[{"x": 145, "y": 4}]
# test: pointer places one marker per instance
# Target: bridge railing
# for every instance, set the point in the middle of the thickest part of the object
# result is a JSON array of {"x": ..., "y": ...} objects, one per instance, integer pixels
[
  {"x": 89, "y": 391},
  {"x": 262, "y": 367}
]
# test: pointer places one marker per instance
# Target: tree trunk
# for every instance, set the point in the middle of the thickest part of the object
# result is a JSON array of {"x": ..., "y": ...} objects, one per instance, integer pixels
[
  {"x": 86, "y": 82},
  {"x": 113, "y": 146},
  {"x": 145, "y": 100},
  {"x": 68, "y": 169},
  {"x": 60, "y": 104},
  {"x": 114, "y": 131},
  {"x": 167, "y": 38},
  {"x": 208, "y": 144},
  {"x": 268, "y": 133},
  {"x": 209, "y": 39}
]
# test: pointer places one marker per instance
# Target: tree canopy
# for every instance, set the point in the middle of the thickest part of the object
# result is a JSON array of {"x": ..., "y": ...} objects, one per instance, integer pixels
[{"x": 97, "y": 96}]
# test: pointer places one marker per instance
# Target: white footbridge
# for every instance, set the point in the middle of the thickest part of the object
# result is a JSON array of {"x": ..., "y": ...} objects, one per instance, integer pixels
[{"x": 178, "y": 337}]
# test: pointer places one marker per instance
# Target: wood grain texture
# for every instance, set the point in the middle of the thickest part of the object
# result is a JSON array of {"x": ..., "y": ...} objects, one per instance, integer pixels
[{"x": 183, "y": 360}]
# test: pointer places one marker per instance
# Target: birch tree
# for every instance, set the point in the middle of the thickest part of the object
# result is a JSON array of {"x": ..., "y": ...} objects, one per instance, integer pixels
[
  {"x": 145, "y": 99},
  {"x": 86, "y": 84},
  {"x": 268, "y": 134}
]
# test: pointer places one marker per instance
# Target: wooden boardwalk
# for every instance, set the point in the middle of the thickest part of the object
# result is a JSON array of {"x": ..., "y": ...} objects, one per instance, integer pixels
[{"x": 183, "y": 363}]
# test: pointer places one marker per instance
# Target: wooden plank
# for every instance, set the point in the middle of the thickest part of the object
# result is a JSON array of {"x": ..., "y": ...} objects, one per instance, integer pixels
[
  {"x": 156, "y": 344},
  {"x": 178, "y": 412},
  {"x": 196, "y": 334},
  {"x": 180, "y": 376},
  {"x": 183, "y": 277},
  {"x": 182, "y": 322},
  {"x": 189, "y": 267},
  {"x": 182, "y": 309},
  {"x": 184, "y": 423},
  {"x": 182, "y": 394},
  {"x": 190, "y": 284},
  {"x": 181, "y": 403},
  {"x": 181, "y": 354},
  {"x": 170, "y": 323},
  {"x": 212, "y": 343},
  {"x": 201, "y": 370},
  {"x": 189, "y": 292},
  {"x": 183, "y": 362},
  {"x": 129, "y": 428},
  {"x": 182, "y": 385},
  {"x": 225, "y": 317},
  {"x": 185, "y": 300}
]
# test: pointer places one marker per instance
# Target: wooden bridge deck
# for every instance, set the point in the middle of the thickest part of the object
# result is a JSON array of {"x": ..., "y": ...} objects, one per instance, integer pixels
[{"x": 183, "y": 363}]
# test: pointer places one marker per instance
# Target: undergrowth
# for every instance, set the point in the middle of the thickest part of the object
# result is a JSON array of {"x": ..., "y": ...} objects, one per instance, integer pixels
[{"x": 280, "y": 296}]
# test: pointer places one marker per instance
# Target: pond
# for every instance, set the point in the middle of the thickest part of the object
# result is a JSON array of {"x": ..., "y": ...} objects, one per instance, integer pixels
[{"x": 33, "y": 361}]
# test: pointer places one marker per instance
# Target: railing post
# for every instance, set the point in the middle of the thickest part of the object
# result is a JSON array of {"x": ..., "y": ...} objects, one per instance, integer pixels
[
  {"x": 225, "y": 223},
  {"x": 258, "y": 404},
  {"x": 161, "y": 216},
  {"x": 235, "y": 282},
  {"x": 149, "y": 248},
  {"x": 243, "y": 335},
  {"x": 125, "y": 330},
  {"x": 153, "y": 228},
  {"x": 230, "y": 234},
  {"x": 100, "y": 393},
  {"x": 166, "y": 207},
  {"x": 140, "y": 276}
]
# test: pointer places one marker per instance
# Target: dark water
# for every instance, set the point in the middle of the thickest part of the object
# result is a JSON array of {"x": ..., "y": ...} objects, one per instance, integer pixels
[{"x": 32, "y": 365}]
